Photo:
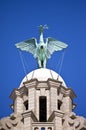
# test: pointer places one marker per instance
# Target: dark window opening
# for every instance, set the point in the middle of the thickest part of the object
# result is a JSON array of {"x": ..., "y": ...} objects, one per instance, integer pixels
[
  {"x": 59, "y": 104},
  {"x": 26, "y": 105},
  {"x": 42, "y": 109},
  {"x": 42, "y": 128}
]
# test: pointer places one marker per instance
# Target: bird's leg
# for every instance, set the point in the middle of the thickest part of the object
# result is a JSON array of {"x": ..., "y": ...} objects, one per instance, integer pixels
[
  {"x": 39, "y": 63},
  {"x": 44, "y": 63}
]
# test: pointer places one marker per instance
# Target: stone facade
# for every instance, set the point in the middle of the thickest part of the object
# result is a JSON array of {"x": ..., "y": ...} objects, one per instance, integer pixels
[{"x": 43, "y": 105}]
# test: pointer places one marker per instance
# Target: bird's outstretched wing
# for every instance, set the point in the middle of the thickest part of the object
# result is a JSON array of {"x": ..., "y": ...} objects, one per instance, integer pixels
[
  {"x": 54, "y": 45},
  {"x": 29, "y": 45}
]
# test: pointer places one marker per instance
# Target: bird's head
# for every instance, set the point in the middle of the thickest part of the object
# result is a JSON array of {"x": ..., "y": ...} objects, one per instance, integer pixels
[{"x": 41, "y": 28}]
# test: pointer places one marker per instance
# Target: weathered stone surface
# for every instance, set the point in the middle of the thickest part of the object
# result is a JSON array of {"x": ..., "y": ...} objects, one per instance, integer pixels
[
  {"x": 58, "y": 105},
  {"x": 14, "y": 122},
  {"x": 58, "y": 119},
  {"x": 74, "y": 122}
]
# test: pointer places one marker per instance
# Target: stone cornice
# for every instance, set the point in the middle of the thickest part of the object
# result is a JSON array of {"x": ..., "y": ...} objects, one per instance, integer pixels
[
  {"x": 35, "y": 83},
  {"x": 30, "y": 114},
  {"x": 67, "y": 92},
  {"x": 41, "y": 124},
  {"x": 18, "y": 92},
  {"x": 42, "y": 84},
  {"x": 54, "y": 114},
  {"x": 15, "y": 94},
  {"x": 54, "y": 83},
  {"x": 31, "y": 83},
  {"x": 23, "y": 90}
]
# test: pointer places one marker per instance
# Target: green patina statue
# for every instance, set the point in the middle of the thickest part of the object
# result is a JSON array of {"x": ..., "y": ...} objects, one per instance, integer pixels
[{"x": 43, "y": 50}]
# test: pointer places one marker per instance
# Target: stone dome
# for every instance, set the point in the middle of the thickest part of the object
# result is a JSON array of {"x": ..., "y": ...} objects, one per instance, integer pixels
[{"x": 42, "y": 75}]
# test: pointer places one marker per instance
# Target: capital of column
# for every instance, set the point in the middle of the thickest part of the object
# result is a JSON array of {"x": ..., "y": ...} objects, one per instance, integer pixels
[{"x": 15, "y": 94}]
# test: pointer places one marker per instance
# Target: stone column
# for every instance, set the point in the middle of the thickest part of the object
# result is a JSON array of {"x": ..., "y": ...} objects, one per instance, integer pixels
[
  {"x": 37, "y": 103},
  {"x": 32, "y": 98},
  {"x": 27, "y": 120},
  {"x": 67, "y": 101},
  {"x": 48, "y": 104},
  {"x": 18, "y": 102},
  {"x": 53, "y": 85},
  {"x": 31, "y": 95},
  {"x": 53, "y": 99},
  {"x": 67, "y": 104},
  {"x": 58, "y": 120}
]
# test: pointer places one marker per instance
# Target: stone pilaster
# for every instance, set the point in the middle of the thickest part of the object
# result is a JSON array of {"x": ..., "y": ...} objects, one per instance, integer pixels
[
  {"x": 67, "y": 104},
  {"x": 58, "y": 120},
  {"x": 48, "y": 104},
  {"x": 31, "y": 99},
  {"x": 53, "y": 99},
  {"x": 31, "y": 86},
  {"x": 27, "y": 120},
  {"x": 57, "y": 117},
  {"x": 67, "y": 100},
  {"x": 29, "y": 117},
  {"x": 18, "y": 102},
  {"x": 53, "y": 94},
  {"x": 37, "y": 103}
]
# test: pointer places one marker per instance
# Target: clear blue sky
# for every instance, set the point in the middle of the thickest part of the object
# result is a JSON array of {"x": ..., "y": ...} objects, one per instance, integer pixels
[{"x": 67, "y": 22}]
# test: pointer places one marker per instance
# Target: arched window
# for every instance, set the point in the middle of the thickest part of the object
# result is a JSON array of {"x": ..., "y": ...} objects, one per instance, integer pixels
[
  {"x": 36, "y": 128},
  {"x": 49, "y": 128},
  {"x": 42, "y": 128}
]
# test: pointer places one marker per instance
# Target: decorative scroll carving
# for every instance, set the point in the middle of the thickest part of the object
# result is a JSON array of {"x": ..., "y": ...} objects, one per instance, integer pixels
[
  {"x": 74, "y": 122},
  {"x": 12, "y": 122}
]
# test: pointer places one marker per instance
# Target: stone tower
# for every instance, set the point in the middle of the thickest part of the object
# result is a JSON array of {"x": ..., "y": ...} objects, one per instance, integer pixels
[{"x": 43, "y": 102}]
